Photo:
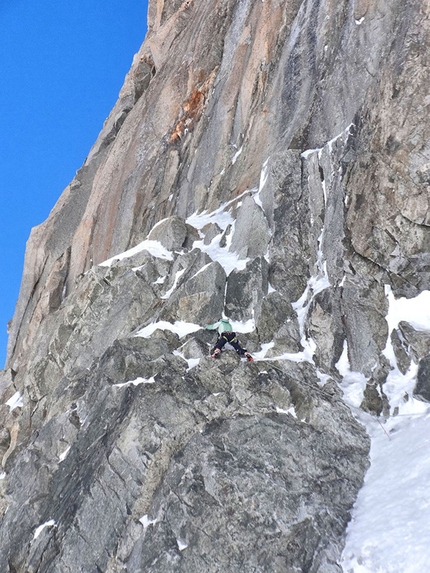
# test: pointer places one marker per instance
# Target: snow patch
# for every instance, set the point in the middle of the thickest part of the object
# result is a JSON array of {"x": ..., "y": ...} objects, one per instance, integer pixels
[
  {"x": 38, "y": 531},
  {"x": 146, "y": 522},
  {"x": 180, "y": 328},
  {"x": 322, "y": 378},
  {"x": 192, "y": 362},
  {"x": 15, "y": 402},
  {"x": 233, "y": 161},
  {"x": 353, "y": 383},
  {"x": 2, "y": 475},
  {"x": 136, "y": 382},
  {"x": 291, "y": 411},
  {"x": 415, "y": 311},
  {"x": 181, "y": 545},
  {"x": 175, "y": 283},
  {"x": 243, "y": 327},
  {"x": 261, "y": 355},
  {"x": 154, "y": 248},
  {"x": 64, "y": 455}
]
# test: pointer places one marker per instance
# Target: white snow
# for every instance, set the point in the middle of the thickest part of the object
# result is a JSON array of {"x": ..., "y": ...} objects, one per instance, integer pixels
[
  {"x": 15, "y": 402},
  {"x": 220, "y": 216},
  {"x": 181, "y": 545},
  {"x": 291, "y": 411},
  {"x": 353, "y": 383},
  {"x": 360, "y": 21},
  {"x": 180, "y": 328},
  {"x": 154, "y": 248},
  {"x": 38, "y": 531},
  {"x": 261, "y": 355},
  {"x": 146, "y": 522},
  {"x": 2, "y": 475},
  {"x": 390, "y": 527},
  {"x": 233, "y": 161},
  {"x": 136, "y": 382},
  {"x": 243, "y": 327},
  {"x": 64, "y": 455},
  {"x": 175, "y": 284},
  {"x": 318, "y": 282},
  {"x": 192, "y": 362},
  {"x": 322, "y": 378}
]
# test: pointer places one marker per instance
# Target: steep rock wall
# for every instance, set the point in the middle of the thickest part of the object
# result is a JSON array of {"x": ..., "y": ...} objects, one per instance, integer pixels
[{"x": 270, "y": 159}]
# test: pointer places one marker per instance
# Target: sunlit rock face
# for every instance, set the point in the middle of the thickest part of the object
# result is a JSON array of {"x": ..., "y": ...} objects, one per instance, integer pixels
[{"x": 267, "y": 161}]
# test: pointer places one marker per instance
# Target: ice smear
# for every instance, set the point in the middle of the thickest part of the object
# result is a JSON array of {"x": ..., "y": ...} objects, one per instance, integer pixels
[
  {"x": 330, "y": 143},
  {"x": 38, "y": 531},
  {"x": 15, "y": 402},
  {"x": 136, "y": 382},
  {"x": 180, "y": 328},
  {"x": 154, "y": 248}
]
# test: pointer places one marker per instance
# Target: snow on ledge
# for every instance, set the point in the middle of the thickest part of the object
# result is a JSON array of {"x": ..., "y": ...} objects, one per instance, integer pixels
[
  {"x": 154, "y": 248},
  {"x": 179, "y": 328},
  {"x": 64, "y": 455},
  {"x": 192, "y": 362},
  {"x": 38, "y": 531},
  {"x": 146, "y": 522},
  {"x": 136, "y": 382}
]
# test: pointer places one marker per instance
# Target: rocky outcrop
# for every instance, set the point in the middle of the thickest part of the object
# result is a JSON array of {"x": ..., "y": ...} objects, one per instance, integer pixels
[{"x": 263, "y": 161}]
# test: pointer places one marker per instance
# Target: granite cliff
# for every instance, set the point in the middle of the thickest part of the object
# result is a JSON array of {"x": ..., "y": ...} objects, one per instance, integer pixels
[{"x": 268, "y": 160}]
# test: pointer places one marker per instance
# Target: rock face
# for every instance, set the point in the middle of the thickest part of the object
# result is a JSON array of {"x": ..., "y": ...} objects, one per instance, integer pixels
[{"x": 263, "y": 161}]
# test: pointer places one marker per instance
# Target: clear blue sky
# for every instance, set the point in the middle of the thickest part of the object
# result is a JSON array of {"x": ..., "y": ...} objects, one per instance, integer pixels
[{"x": 62, "y": 64}]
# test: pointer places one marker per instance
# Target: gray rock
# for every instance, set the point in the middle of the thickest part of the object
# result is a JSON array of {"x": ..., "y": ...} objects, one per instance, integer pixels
[
  {"x": 251, "y": 234},
  {"x": 306, "y": 155},
  {"x": 278, "y": 322},
  {"x": 172, "y": 233},
  {"x": 246, "y": 290},
  {"x": 422, "y": 387},
  {"x": 200, "y": 297}
]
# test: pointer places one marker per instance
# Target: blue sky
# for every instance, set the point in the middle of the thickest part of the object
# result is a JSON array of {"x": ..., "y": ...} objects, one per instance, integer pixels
[{"x": 62, "y": 64}]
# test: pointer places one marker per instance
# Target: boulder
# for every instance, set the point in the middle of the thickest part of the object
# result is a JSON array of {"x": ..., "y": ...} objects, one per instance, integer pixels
[{"x": 173, "y": 233}]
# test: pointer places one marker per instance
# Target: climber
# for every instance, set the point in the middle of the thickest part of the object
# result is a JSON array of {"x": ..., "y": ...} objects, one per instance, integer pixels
[{"x": 226, "y": 334}]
